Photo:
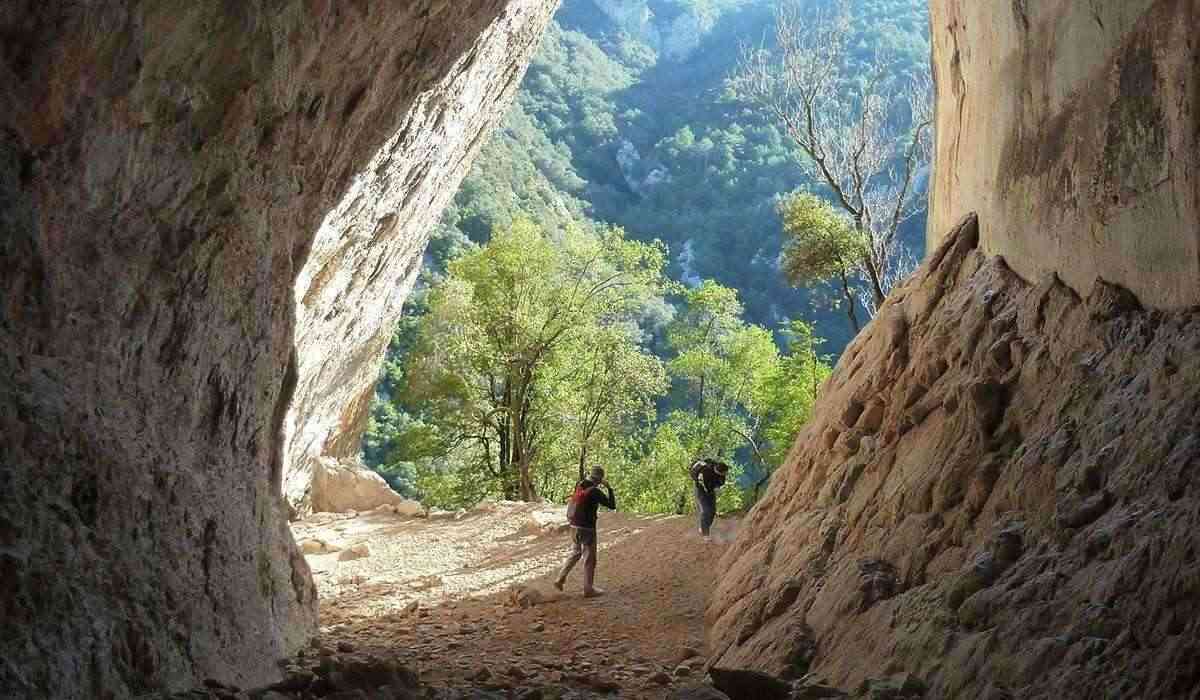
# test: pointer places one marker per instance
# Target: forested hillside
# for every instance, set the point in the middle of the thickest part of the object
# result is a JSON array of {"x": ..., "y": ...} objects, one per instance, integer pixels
[
  {"x": 616, "y": 127},
  {"x": 627, "y": 118}
]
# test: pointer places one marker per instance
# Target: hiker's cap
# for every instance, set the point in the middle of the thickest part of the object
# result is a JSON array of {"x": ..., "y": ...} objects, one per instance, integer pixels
[{"x": 598, "y": 472}]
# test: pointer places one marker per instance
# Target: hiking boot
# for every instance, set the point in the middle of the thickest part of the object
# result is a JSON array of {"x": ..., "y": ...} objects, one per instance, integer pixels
[
  {"x": 593, "y": 592},
  {"x": 559, "y": 584}
]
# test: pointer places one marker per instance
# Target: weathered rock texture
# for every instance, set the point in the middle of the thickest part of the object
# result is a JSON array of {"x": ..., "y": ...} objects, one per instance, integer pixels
[
  {"x": 1071, "y": 128},
  {"x": 367, "y": 250},
  {"x": 209, "y": 215},
  {"x": 1000, "y": 492},
  {"x": 344, "y": 486}
]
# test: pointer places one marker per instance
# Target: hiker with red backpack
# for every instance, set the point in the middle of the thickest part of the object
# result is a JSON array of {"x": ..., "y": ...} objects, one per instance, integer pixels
[
  {"x": 581, "y": 514},
  {"x": 708, "y": 475}
]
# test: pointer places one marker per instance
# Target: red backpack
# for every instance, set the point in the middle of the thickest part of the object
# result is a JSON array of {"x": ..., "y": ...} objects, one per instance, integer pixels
[{"x": 575, "y": 503}]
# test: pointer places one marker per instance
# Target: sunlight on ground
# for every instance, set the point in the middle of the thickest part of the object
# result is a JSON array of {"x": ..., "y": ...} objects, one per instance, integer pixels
[{"x": 430, "y": 560}]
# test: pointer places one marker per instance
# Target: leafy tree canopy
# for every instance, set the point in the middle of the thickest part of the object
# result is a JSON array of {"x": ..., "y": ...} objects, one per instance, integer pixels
[{"x": 610, "y": 129}]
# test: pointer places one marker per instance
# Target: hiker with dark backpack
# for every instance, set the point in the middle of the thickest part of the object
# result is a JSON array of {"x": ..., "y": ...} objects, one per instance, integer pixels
[
  {"x": 708, "y": 475},
  {"x": 581, "y": 514}
]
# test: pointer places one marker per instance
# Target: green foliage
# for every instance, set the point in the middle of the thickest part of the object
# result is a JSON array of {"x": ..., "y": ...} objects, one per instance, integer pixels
[
  {"x": 451, "y": 482},
  {"x": 785, "y": 394},
  {"x": 607, "y": 131},
  {"x": 738, "y": 398},
  {"x": 821, "y": 244},
  {"x": 529, "y": 354}
]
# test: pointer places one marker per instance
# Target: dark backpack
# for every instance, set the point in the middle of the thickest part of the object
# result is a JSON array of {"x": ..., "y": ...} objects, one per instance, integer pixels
[{"x": 575, "y": 503}]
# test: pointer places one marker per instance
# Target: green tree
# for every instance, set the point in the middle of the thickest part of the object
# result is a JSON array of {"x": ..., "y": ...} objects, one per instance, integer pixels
[
  {"x": 866, "y": 132},
  {"x": 518, "y": 339},
  {"x": 616, "y": 383},
  {"x": 821, "y": 246},
  {"x": 783, "y": 398},
  {"x": 705, "y": 178}
]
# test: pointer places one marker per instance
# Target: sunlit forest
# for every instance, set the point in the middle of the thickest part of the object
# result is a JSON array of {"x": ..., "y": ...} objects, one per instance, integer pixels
[{"x": 632, "y": 154}]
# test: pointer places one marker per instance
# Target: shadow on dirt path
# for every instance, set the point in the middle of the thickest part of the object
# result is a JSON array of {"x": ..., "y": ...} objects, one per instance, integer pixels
[{"x": 471, "y": 597}]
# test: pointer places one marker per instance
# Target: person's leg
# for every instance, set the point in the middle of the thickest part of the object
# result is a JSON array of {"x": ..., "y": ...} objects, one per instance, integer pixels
[
  {"x": 576, "y": 553},
  {"x": 708, "y": 512},
  {"x": 700, "y": 507},
  {"x": 589, "y": 567}
]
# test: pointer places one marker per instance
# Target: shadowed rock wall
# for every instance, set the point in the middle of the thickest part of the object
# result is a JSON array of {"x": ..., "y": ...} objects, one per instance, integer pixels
[
  {"x": 1071, "y": 128},
  {"x": 999, "y": 493},
  {"x": 210, "y": 213}
]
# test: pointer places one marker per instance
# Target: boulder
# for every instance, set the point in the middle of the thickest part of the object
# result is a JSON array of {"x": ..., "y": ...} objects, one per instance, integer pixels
[
  {"x": 902, "y": 687},
  {"x": 344, "y": 486},
  {"x": 740, "y": 684},
  {"x": 409, "y": 508},
  {"x": 698, "y": 692},
  {"x": 525, "y": 596},
  {"x": 317, "y": 546},
  {"x": 545, "y": 519},
  {"x": 358, "y": 551}
]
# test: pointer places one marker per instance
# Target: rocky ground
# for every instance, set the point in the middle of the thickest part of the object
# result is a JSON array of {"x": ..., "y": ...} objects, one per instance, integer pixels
[
  {"x": 468, "y": 597},
  {"x": 461, "y": 605}
]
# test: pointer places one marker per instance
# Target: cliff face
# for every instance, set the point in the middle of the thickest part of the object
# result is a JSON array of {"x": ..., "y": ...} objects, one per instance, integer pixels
[
  {"x": 368, "y": 245},
  {"x": 675, "y": 34},
  {"x": 1070, "y": 127},
  {"x": 209, "y": 215},
  {"x": 998, "y": 494},
  {"x": 998, "y": 491}
]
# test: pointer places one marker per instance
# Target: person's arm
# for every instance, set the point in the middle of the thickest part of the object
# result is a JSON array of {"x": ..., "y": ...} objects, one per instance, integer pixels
[
  {"x": 697, "y": 472},
  {"x": 610, "y": 500}
]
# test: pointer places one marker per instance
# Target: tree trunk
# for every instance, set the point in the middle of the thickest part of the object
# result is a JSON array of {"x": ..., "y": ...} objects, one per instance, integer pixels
[
  {"x": 876, "y": 286},
  {"x": 850, "y": 304},
  {"x": 527, "y": 490},
  {"x": 507, "y": 451}
]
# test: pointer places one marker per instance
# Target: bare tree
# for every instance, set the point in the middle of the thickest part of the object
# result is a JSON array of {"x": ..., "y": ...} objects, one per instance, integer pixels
[{"x": 866, "y": 134}]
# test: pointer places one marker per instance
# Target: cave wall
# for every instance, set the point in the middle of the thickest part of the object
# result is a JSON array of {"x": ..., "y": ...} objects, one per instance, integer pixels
[
  {"x": 998, "y": 491},
  {"x": 209, "y": 216},
  {"x": 999, "y": 494},
  {"x": 368, "y": 247},
  {"x": 1071, "y": 128}
]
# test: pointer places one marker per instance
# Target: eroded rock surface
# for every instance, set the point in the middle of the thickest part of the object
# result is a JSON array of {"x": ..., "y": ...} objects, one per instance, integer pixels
[
  {"x": 209, "y": 216},
  {"x": 344, "y": 486},
  {"x": 1070, "y": 128},
  {"x": 998, "y": 494}
]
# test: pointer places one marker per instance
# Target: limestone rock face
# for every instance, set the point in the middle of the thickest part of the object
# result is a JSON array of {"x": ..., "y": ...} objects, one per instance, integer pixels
[
  {"x": 998, "y": 494},
  {"x": 633, "y": 16},
  {"x": 367, "y": 248},
  {"x": 1070, "y": 128},
  {"x": 339, "y": 487},
  {"x": 676, "y": 35},
  {"x": 209, "y": 215}
]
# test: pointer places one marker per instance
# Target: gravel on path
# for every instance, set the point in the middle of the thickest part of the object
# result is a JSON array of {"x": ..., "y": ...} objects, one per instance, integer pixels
[{"x": 468, "y": 596}]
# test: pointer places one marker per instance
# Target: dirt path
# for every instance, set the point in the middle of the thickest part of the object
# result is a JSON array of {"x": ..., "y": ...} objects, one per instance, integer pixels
[{"x": 470, "y": 599}]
